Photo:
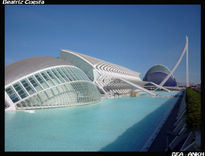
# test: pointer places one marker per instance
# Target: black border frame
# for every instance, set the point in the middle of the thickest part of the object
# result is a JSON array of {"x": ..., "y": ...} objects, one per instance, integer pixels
[{"x": 111, "y": 2}]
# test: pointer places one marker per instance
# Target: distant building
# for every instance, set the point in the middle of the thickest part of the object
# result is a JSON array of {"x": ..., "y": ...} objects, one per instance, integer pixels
[{"x": 158, "y": 73}]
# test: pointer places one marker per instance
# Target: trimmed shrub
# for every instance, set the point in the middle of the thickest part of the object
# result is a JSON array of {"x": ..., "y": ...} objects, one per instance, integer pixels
[{"x": 193, "y": 107}]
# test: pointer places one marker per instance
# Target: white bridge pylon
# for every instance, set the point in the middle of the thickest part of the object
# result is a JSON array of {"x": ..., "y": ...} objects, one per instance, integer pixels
[{"x": 177, "y": 64}]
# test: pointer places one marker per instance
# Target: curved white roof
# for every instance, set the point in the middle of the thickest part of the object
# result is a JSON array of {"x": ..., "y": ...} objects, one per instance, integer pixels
[
  {"x": 103, "y": 65},
  {"x": 27, "y": 66}
]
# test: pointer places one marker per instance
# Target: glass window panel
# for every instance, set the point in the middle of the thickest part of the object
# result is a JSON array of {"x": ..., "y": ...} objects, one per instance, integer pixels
[
  {"x": 49, "y": 93},
  {"x": 79, "y": 75},
  {"x": 70, "y": 73},
  {"x": 22, "y": 93},
  {"x": 73, "y": 73},
  {"x": 43, "y": 96},
  {"x": 66, "y": 74},
  {"x": 57, "y": 75},
  {"x": 11, "y": 93},
  {"x": 69, "y": 87},
  {"x": 62, "y": 74},
  {"x": 85, "y": 76},
  {"x": 60, "y": 89},
  {"x": 41, "y": 81},
  {"x": 18, "y": 105},
  {"x": 35, "y": 84},
  {"x": 35, "y": 101},
  {"x": 65, "y": 88},
  {"x": 55, "y": 91},
  {"x": 53, "y": 77},
  {"x": 27, "y": 86},
  {"x": 23, "y": 104},
  {"x": 88, "y": 69},
  {"x": 76, "y": 71},
  {"x": 28, "y": 103},
  {"x": 47, "y": 78}
]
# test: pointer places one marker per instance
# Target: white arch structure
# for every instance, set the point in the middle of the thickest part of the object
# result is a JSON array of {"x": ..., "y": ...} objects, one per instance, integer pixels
[
  {"x": 177, "y": 64},
  {"x": 103, "y": 73}
]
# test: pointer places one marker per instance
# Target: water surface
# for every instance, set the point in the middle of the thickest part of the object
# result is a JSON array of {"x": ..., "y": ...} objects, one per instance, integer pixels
[{"x": 119, "y": 124}]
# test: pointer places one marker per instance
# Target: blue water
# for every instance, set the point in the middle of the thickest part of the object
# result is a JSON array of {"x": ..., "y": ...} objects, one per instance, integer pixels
[{"x": 119, "y": 124}]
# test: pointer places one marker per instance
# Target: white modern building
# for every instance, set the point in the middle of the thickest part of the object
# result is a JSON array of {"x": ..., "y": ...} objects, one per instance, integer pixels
[
  {"x": 45, "y": 82},
  {"x": 109, "y": 78},
  {"x": 70, "y": 80}
]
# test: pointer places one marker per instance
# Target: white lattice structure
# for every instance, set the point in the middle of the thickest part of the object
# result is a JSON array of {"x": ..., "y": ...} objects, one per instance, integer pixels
[
  {"x": 46, "y": 82},
  {"x": 105, "y": 74}
]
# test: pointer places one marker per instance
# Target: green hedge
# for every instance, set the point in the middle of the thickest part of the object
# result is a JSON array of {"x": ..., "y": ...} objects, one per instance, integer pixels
[{"x": 193, "y": 105}]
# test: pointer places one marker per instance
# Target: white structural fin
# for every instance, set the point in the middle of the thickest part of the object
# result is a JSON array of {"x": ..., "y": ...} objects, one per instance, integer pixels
[
  {"x": 139, "y": 87},
  {"x": 172, "y": 71}
]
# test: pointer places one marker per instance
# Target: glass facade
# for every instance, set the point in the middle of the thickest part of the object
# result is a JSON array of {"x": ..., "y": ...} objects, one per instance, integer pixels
[
  {"x": 11, "y": 93},
  {"x": 78, "y": 62},
  {"x": 54, "y": 87}
]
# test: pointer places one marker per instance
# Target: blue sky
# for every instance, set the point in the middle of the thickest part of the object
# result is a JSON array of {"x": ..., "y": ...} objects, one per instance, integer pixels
[{"x": 133, "y": 36}]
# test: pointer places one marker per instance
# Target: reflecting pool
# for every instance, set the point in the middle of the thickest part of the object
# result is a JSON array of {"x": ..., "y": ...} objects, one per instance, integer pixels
[{"x": 117, "y": 124}]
